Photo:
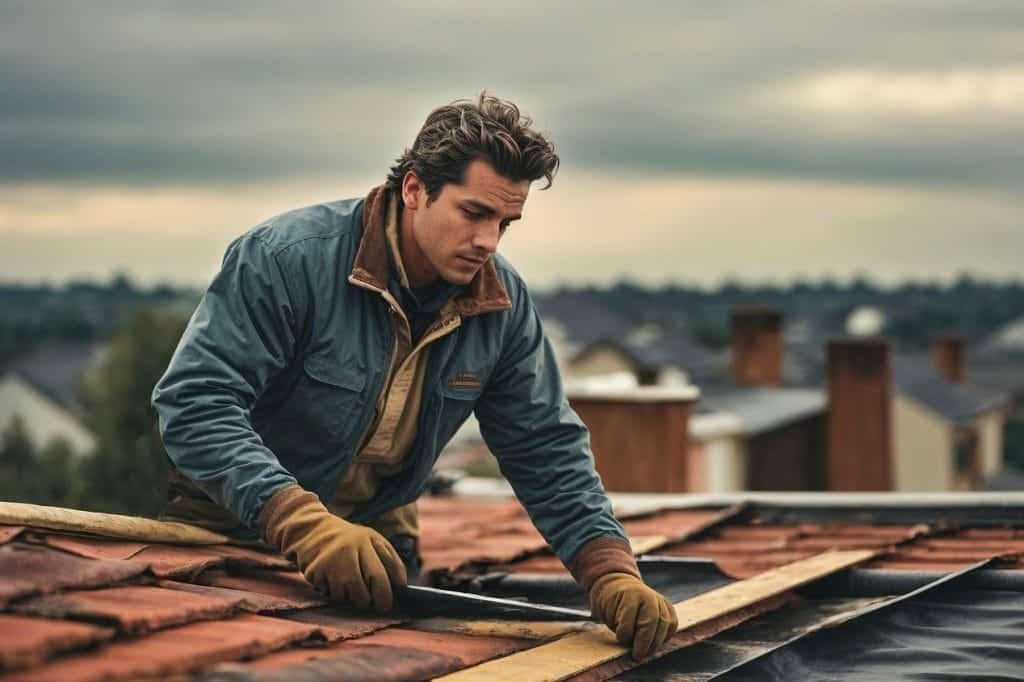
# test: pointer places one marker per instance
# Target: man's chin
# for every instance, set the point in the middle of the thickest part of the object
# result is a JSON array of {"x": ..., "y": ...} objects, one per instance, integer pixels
[{"x": 458, "y": 278}]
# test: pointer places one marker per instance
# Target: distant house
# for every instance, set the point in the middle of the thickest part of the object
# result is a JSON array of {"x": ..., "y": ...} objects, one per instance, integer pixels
[
  {"x": 41, "y": 388},
  {"x": 592, "y": 340},
  {"x": 946, "y": 435},
  {"x": 760, "y": 438}
]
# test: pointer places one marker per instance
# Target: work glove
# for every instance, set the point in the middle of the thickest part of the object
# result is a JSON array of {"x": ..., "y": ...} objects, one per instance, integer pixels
[
  {"x": 640, "y": 617},
  {"x": 346, "y": 561}
]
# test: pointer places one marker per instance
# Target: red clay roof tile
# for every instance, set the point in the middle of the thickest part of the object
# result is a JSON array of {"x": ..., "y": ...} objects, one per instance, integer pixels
[
  {"x": 27, "y": 570},
  {"x": 8, "y": 533},
  {"x": 371, "y": 663},
  {"x": 133, "y": 609},
  {"x": 440, "y": 652},
  {"x": 30, "y": 641},
  {"x": 246, "y": 600},
  {"x": 672, "y": 523},
  {"x": 182, "y": 562},
  {"x": 338, "y": 623},
  {"x": 92, "y": 548},
  {"x": 288, "y": 586},
  {"x": 176, "y": 650}
]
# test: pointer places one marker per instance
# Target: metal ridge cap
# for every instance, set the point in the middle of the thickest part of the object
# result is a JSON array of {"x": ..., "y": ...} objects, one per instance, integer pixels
[
  {"x": 474, "y": 486},
  {"x": 639, "y": 394},
  {"x": 876, "y": 500}
]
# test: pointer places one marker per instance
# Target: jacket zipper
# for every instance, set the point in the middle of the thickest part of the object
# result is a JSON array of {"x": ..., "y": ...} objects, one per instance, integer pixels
[{"x": 438, "y": 330}]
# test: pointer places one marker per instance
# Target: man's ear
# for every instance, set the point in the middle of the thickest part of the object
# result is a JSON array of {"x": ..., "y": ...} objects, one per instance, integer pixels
[{"x": 413, "y": 190}]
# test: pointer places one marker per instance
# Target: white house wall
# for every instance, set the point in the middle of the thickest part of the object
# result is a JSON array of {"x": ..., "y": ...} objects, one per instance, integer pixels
[
  {"x": 725, "y": 465},
  {"x": 922, "y": 452},
  {"x": 44, "y": 420},
  {"x": 990, "y": 435}
]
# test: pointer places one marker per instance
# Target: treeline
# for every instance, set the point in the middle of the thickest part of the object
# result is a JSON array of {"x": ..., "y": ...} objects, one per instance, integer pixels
[
  {"x": 79, "y": 310},
  {"x": 915, "y": 312}
]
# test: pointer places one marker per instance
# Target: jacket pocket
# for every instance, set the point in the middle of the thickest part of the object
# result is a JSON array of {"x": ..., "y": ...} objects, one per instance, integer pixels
[
  {"x": 458, "y": 403},
  {"x": 321, "y": 416},
  {"x": 329, "y": 372}
]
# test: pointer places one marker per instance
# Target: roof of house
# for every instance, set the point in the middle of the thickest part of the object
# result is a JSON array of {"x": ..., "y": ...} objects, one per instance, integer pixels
[
  {"x": 75, "y": 607},
  {"x": 764, "y": 409},
  {"x": 55, "y": 369},
  {"x": 956, "y": 402},
  {"x": 912, "y": 375},
  {"x": 589, "y": 324},
  {"x": 997, "y": 371}
]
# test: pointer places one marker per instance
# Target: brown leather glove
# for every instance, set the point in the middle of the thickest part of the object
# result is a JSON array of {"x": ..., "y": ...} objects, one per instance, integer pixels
[
  {"x": 641, "y": 618},
  {"x": 348, "y": 562}
]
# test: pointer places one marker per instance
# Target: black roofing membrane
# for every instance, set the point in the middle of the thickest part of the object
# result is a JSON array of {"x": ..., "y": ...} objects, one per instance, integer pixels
[{"x": 946, "y": 634}]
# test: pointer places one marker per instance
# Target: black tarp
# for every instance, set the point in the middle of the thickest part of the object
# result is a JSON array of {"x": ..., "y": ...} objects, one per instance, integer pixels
[{"x": 945, "y": 634}]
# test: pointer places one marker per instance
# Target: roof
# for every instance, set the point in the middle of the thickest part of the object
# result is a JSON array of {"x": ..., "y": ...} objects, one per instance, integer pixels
[
  {"x": 765, "y": 409},
  {"x": 955, "y": 402},
  {"x": 989, "y": 386},
  {"x": 1009, "y": 337},
  {"x": 998, "y": 371},
  {"x": 83, "y": 608},
  {"x": 589, "y": 324},
  {"x": 55, "y": 369}
]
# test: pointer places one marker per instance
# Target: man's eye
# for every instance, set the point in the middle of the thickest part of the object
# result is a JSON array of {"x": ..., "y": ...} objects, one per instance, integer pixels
[{"x": 472, "y": 215}]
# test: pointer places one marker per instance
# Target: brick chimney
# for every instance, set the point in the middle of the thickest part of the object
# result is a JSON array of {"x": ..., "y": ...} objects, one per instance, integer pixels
[
  {"x": 949, "y": 357},
  {"x": 756, "y": 346},
  {"x": 859, "y": 430},
  {"x": 639, "y": 436}
]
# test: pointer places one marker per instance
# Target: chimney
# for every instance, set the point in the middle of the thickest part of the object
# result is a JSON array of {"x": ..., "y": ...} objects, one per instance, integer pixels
[
  {"x": 756, "y": 346},
  {"x": 859, "y": 428},
  {"x": 949, "y": 358},
  {"x": 640, "y": 436}
]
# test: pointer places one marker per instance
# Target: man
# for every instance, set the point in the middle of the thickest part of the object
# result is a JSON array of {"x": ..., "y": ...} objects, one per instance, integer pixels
[{"x": 342, "y": 345}]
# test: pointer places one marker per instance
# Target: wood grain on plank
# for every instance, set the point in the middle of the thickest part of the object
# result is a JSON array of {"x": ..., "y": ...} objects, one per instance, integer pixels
[
  {"x": 579, "y": 652},
  {"x": 106, "y": 525}
]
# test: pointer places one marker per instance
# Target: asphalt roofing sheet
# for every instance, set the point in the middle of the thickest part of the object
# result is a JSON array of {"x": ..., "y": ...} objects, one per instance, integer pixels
[{"x": 765, "y": 409}]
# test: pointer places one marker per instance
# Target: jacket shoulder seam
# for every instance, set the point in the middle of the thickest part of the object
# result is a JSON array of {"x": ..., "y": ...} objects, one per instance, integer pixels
[{"x": 278, "y": 250}]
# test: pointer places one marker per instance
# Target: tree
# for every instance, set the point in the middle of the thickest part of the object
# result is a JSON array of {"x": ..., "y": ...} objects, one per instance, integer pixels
[
  {"x": 128, "y": 471},
  {"x": 30, "y": 475}
]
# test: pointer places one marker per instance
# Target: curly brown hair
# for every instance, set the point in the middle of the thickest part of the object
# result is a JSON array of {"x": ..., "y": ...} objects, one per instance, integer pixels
[{"x": 490, "y": 129}]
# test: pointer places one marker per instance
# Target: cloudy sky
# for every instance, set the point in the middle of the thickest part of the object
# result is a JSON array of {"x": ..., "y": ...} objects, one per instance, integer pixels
[{"x": 699, "y": 141}]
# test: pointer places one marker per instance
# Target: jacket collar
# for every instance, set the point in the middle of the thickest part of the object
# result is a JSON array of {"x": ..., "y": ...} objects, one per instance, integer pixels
[{"x": 485, "y": 294}]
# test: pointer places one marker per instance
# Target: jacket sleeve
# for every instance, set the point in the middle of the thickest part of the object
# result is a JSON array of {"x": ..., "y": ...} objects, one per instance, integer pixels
[
  {"x": 240, "y": 336},
  {"x": 542, "y": 446}
]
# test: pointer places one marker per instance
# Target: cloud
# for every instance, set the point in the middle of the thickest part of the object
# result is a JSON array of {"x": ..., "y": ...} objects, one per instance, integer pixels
[
  {"x": 150, "y": 93},
  {"x": 588, "y": 228},
  {"x": 764, "y": 140},
  {"x": 944, "y": 93}
]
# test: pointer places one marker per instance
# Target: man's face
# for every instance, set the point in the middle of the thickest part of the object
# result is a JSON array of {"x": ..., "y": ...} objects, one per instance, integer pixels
[{"x": 456, "y": 234}]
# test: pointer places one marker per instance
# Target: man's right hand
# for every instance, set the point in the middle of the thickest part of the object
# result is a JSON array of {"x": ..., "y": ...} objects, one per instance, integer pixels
[{"x": 349, "y": 562}]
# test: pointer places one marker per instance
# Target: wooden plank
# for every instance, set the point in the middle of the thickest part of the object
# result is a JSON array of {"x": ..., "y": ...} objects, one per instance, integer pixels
[
  {"x": 106, "y": 525},
  {"x": 574, "y": 654},
  {"x": 518, "y": 629},
  {"x": 642, "y": 544}
]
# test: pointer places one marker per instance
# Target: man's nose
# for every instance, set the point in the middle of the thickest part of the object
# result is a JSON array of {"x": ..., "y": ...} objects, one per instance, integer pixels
[{"x": 486, "y": 238}]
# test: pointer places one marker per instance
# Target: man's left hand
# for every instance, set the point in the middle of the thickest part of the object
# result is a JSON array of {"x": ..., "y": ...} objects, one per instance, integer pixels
[{"x": 640, "y": 617}]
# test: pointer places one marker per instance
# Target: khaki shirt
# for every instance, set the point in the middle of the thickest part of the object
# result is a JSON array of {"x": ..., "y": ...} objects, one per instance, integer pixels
[{"x": 388, "y": 440}]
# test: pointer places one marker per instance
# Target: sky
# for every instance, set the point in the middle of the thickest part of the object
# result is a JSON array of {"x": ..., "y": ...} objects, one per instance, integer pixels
[{"x": 756, "y": 141}]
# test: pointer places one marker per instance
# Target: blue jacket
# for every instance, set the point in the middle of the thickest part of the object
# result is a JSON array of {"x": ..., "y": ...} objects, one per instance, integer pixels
[{"x": 277, "y": 376}]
